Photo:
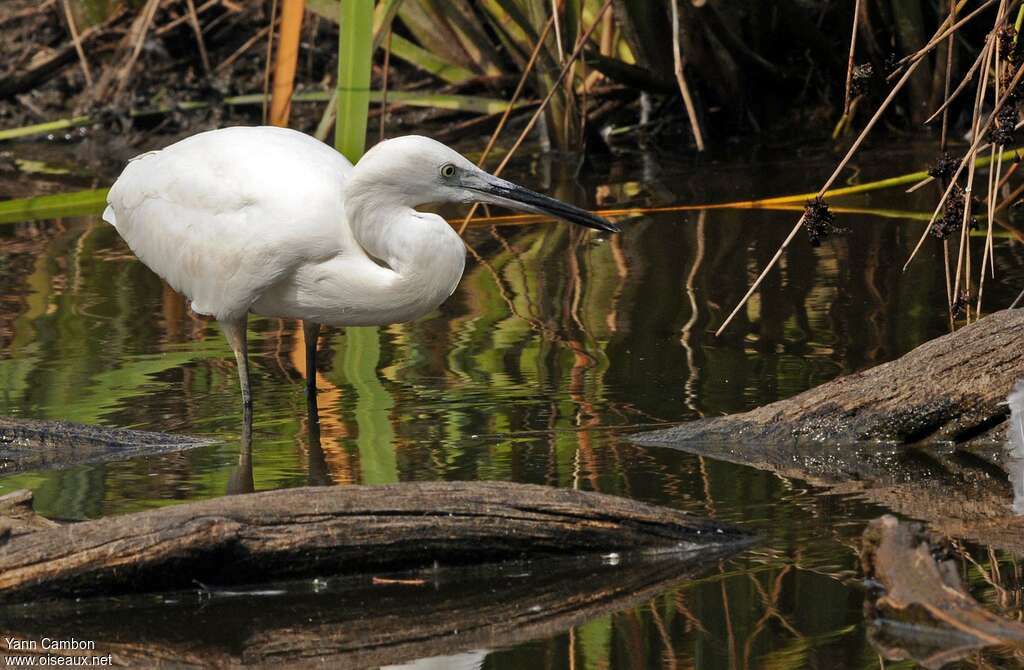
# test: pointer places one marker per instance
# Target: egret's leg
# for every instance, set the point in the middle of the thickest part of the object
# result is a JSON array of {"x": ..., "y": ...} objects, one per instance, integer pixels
[
  {"x": 311, "y": 333},
  {"x": 235, "y": 332}
]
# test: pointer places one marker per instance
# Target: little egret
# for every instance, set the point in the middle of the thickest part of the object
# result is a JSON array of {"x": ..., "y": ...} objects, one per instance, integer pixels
[{"x": 271, "y": 221}]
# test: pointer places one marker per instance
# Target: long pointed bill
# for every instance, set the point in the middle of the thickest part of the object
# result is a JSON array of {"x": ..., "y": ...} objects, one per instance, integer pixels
[{"x": 497, "y": 191}]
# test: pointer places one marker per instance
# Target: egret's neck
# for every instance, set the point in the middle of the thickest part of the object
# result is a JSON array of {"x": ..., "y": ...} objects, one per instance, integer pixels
[{"x": 423, "y": 249}]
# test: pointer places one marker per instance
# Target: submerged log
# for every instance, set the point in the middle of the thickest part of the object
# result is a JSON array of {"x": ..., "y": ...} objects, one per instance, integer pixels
[
  {"x": 339, "y": 530},
  {"x": 919, "y": 607},
  {"x": 30, "y": 444},
  {"x": 951, "y": 389}
]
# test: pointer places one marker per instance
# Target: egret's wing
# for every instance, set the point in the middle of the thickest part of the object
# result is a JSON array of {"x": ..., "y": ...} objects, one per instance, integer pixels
[{"x": 223, "y": 215}]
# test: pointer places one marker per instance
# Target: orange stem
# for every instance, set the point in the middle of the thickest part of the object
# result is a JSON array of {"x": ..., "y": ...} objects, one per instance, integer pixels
[{"x": 285, "y": 62}]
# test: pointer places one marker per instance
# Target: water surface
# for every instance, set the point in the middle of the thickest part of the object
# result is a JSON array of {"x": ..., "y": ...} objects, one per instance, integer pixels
[{"x": 556, "y": 346}]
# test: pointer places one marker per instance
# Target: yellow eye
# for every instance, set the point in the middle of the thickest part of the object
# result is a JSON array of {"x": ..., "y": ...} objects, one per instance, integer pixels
[{"x": 447, "y": 170}]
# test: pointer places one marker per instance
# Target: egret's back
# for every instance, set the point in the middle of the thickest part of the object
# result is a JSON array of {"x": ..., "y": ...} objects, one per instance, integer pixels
[{"x": 225, "y": 214}]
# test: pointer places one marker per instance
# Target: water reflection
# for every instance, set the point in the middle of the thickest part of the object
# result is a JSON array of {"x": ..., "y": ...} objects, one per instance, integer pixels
[
  {"x": 471, "y": 660},
  {"x": 241, "y": 480},
  {"x": 444, "y": 617},
  {"x": 555, "y": 344},
  {"x": 1015, "y": 446}
]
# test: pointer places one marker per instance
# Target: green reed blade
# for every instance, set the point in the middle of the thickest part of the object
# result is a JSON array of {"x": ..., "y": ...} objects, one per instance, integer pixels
[
  {"x": 355, "y": 54},
  {"x": 79, "y": 203}
]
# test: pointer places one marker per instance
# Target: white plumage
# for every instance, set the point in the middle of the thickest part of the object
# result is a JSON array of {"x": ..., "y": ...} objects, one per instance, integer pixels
[{"x": 271, "y": 221}]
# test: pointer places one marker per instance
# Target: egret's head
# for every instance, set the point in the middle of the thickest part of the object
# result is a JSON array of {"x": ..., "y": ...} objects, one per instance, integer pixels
[{"x": 419, "y": 170}]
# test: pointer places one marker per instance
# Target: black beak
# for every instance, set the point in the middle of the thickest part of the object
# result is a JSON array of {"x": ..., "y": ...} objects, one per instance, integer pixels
[{"x": 501, "y": 192}]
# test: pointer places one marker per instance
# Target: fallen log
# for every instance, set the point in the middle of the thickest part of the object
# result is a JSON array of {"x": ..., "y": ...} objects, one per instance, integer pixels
[
  {"x": 30, "y": 444},
  {"x": 951, "y": 389},
  {"x": 357, "y": 622},
  {"x": 319, "y": 531},
  {"x": 918, "y": 607}
]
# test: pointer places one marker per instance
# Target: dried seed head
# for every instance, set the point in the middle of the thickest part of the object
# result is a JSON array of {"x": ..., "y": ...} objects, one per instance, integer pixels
[
  {"x": 1017, "y": 93},
  {"x": 1002, "y": 130},
  {"x": 860, "y": 82},
  {"x": 892, "y": 63},
  {"x": 959, "y": 307},
  {"x": 952, "y": 216},
  {"x": 1010, "y": 47},
  {"x": 944, "y": 168},
  {"x": 819, "y": 221}
]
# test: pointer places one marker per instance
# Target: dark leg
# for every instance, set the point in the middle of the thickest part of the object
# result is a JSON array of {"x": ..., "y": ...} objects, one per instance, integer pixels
[{"x": 311, "y": 333}]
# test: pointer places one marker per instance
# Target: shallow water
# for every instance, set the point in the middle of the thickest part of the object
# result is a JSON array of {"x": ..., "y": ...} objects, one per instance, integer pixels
[{"x": 557, "y": 344}]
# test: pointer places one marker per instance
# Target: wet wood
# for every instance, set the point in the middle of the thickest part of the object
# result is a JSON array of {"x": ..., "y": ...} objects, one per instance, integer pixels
[
  {"x": 951, "y": 389},
  {"x": 919, "y": 606},
  {"x": 338, "y": 530},
  {"x": 361, "y": 622},
  {"x": 30, "y": 444},
  {"x": 17, "y": 517}
]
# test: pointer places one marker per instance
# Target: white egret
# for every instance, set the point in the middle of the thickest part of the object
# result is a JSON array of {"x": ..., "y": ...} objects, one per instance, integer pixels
[{"x": 271, "y": 221}]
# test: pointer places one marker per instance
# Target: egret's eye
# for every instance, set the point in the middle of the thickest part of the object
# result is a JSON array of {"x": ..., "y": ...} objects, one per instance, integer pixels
[{"x": 447, "y": 170}]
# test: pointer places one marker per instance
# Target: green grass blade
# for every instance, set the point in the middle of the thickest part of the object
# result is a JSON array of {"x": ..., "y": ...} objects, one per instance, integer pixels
[
  {"x": 382, "y": 18},
  {"x": 79, "y": 203},
  {"x": 355, "y": 53},
  {"x": 428, "y": 62},
  {"x": 412, "y": 53},
  {"x": 471, "y": 104},
  {"x": 40, "y": 128}
]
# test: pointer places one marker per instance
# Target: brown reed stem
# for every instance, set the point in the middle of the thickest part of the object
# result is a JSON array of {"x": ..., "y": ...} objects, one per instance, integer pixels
[
  {"x": 77, "y": 40},
  {"x": 828, "y": 183},
  {"x": 544, "y": 103},
  {"x": 949, "y": 80},
  {"x": 198, "y": 30},
  {"x": 849, "y": 61},
  {"x": 270, "y": 55},
  {"x": 969, "y": 156},
  {"x": 684, "y": 89}
]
